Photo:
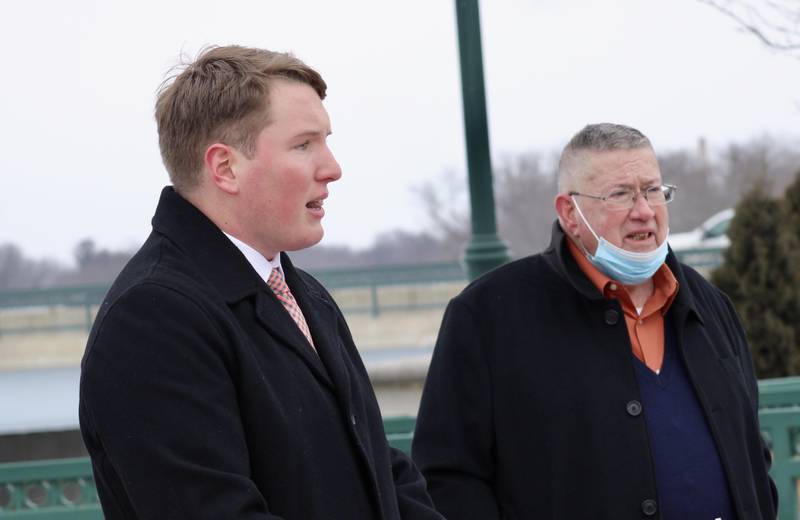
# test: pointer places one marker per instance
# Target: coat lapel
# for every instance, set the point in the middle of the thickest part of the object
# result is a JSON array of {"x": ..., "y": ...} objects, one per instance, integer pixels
[
  {"x": 321, "y": 317},
  {"x": 273, "y": 316}
]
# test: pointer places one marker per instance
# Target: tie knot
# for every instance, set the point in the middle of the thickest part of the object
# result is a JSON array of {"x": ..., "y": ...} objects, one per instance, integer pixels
[{"x": 277, "y": 283}]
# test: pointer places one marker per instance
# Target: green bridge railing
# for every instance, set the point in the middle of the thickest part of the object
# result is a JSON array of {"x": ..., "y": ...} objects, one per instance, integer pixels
[
  {"x": 64, "y": 489},
  {"x": 362, "y": 290},
  {"x": 702, "y": 259},
  {"x": 779, "y": 415},
  {"x": 50, "y": 489},
  {"x": 372, "y": 290}
]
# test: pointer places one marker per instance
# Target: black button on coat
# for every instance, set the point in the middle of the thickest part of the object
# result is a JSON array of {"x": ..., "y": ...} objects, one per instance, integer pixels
[{"x": 634, "y": 408}]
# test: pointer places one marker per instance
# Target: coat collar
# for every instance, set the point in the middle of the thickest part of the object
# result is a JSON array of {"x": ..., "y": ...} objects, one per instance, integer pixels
[
  {"x": 230, "y": 274},
  {"x": 203, "y": 242},
  {"x": 558, "y": 256}
]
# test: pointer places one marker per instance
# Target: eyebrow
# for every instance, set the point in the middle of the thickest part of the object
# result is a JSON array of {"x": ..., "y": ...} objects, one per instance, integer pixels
[
  {"x": 628, "y": 185},
  {"x": 617, "y": 185},
  {"x": 312, "y": 133}
]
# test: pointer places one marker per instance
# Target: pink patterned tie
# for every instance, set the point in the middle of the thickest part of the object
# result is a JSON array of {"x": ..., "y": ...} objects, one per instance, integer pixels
[{"x": 281, "y": 290}]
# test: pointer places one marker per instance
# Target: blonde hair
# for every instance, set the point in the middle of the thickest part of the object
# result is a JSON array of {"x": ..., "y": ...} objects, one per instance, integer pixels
[{"x": 223, "y": 96}]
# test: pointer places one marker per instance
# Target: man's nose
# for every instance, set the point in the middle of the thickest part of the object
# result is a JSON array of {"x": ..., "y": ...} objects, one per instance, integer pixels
[
  {"x": 641, "y": 207},
  {"x": 330, "y": 170}
]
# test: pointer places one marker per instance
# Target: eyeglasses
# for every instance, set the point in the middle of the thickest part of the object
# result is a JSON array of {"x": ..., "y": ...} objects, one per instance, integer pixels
[{"x": 625, "y": 198}]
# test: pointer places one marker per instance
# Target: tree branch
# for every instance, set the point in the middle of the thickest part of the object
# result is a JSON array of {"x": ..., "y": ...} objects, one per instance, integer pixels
[{"x": 775, "y": 22}]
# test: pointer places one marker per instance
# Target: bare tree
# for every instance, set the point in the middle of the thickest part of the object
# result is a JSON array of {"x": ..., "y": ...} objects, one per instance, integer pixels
[
  {"x": 699, "y": 192},
  {"x": 525, "y": 189},
  {"x": 760, "y": 161},
  {"x": 94, "y": 265},
  {"x": 775, "y": 22},
  {"x": 524, "y": 192},
  {"x": 526, "y": 184},
  {"x": 17, "y": 271},
  {"x": 444, "y": 200}
]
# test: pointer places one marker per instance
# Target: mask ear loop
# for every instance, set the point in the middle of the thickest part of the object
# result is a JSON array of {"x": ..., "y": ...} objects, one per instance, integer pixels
[{"x": 580, "y": 242}]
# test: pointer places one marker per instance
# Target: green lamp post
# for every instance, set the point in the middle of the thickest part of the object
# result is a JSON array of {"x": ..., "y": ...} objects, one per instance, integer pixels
[{"x": 485, "y": 249}]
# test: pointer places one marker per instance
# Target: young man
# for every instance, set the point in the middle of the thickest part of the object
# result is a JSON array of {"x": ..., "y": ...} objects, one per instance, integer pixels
[
  {"x": 601, "y": 379},
  {"x": 219, "y": 381}
]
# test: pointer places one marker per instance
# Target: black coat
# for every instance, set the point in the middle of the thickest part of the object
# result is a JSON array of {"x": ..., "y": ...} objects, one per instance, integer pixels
[
  {"x": 524, "y": 411},
  {"x": 201, "y": 399}
]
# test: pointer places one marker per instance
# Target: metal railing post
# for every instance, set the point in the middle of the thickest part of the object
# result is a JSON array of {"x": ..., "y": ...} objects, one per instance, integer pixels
[{"x": 373, "y": 292}]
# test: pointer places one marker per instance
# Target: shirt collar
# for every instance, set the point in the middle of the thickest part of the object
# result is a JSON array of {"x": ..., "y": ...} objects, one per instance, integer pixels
[
  {"x": 664, "y": 281},
  {"x": 262, "y": 265}
]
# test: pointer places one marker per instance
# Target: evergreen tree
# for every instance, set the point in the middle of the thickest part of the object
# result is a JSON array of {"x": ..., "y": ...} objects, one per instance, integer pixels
[
  {"x": 757, "y": 275},
  {"x": 789, "y": 229}
]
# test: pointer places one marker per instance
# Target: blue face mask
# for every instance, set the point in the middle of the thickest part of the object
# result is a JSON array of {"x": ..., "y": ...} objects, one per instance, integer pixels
[{"x": 628, "y": 267}]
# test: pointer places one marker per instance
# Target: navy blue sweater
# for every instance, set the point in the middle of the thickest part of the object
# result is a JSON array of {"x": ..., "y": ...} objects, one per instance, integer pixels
[{"x": 689, "y": 475}]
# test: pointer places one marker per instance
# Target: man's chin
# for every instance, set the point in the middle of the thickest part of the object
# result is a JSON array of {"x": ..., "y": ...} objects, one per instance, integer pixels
[{"x": 307, "y": 240}]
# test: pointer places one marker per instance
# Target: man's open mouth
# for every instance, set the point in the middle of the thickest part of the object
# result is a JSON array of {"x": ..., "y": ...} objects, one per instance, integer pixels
[{"x": 640, "y": 236}]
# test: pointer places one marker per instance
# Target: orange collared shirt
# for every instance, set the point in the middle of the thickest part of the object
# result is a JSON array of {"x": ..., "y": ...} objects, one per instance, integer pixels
[{"x": 646, "y": 329}]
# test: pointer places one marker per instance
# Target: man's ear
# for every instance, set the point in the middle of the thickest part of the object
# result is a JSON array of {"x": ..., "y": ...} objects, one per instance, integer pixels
[
  {"x": 220, "y": 161},
  {"x": 567, "y": 214}
]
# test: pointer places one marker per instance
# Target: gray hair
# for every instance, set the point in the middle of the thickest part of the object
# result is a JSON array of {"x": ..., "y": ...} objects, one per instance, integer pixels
[{"x": 600, "y": 137}]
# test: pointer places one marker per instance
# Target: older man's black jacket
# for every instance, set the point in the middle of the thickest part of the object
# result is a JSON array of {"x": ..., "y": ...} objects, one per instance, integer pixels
[
  {"x": 524, "y": 412},
  {"x": 201, "y": 399}
]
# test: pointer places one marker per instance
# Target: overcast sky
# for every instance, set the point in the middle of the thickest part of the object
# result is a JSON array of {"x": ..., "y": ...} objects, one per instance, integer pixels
[{"x": 79, "y": 146}]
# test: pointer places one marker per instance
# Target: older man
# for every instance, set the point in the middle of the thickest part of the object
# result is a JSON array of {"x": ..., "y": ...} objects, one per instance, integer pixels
[
  {"x": 220, "y": 382},
  {"x": 601, "y": 379}
]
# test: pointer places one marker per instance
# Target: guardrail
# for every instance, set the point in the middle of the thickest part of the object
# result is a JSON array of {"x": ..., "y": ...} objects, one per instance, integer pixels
[
  {"x": 369, "y": 280},
  {"x": 781, "y": 428},
  {"x": 703, "y": 259},
  {"x": 52, "y": 489},
  {"x": 64, "y": 489},
  {"x": 38, "y": 305},
  {"x": 372, "y": 290},
  {"x": 779, "y": 400},
  {"x": 374, "y": 279}
]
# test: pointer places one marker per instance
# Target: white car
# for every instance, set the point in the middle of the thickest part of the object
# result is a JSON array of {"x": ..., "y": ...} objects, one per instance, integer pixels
[{"x": 703, "y": 247}]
